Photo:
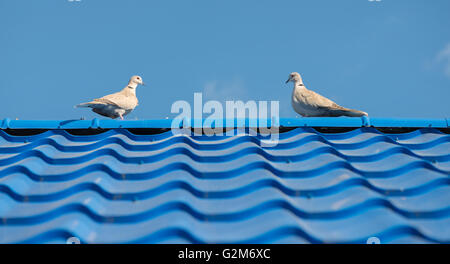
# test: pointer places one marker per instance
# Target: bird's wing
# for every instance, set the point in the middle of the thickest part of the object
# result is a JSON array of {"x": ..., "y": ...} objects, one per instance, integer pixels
[
  {"x": 105, "y": 100},
  {"x": 324, "y": 106},
  {"x": 110, "y": 99},
  {"x": 335, "y": 110},
  {"x": 315, "y": 100},
  {"x": 119, "y": 99}
]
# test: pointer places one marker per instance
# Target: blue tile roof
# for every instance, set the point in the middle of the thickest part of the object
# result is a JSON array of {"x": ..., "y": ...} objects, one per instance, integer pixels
[
  {"x": 120, "y": 187},
  {"x": 166, "y": 123}
]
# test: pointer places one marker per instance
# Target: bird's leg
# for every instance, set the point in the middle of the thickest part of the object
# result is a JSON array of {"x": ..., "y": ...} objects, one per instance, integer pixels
[{"x": 121, "y": 117}]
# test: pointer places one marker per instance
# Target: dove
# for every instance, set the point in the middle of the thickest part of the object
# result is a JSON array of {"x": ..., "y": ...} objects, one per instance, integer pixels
[
  {"x": 117, "y": 104},
  {"x": 310, "y": 104}
]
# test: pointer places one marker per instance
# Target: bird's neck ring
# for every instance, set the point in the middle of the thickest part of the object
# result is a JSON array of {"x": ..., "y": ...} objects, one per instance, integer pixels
[{"x": 132, "y": 85}]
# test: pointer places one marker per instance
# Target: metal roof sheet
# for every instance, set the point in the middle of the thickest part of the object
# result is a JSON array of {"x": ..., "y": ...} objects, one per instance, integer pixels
[
  {"x": 120, "y": 187},
  {"x": 166, "y": 123}
]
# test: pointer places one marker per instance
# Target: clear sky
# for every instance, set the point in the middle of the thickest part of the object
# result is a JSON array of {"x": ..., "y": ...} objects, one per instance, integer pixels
[{"x": 388, "y": 58}]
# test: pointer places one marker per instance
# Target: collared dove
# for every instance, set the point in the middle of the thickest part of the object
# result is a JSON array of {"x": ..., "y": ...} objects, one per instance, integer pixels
[
  {"x": 308, "y": 103},
  {"x": 117, "y": 104}
]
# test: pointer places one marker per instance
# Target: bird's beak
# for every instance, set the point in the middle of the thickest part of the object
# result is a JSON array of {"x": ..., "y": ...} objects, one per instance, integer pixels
[
  {"x": 288, "y": 80},
  {"x": 143, "y": 84}
]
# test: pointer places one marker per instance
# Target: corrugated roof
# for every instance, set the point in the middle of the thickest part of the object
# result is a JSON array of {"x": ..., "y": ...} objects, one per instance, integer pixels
[
  {"x": 120, "y": 187},
  {"x": 166, "y": 123}
]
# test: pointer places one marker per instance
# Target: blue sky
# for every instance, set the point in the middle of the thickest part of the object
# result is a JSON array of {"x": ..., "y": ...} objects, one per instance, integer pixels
[{"x": 388, "y": 58}]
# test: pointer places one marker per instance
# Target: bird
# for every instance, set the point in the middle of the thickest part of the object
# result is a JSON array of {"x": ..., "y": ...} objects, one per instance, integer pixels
[
  {"x": 311, "y": 104},
  {"x": 117, "y": 104}
]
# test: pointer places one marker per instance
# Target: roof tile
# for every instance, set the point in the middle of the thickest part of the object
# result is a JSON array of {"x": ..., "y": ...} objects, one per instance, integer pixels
[{"x": 120, "y": 187}]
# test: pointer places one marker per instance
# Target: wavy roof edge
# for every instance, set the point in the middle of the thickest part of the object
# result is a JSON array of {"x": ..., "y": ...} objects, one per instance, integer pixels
[{"x": 282, "y": 122}]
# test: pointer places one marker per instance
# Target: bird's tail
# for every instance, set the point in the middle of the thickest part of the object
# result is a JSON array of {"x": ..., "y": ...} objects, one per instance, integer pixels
[
  {"x": 83, "y": 105},
  {"x": 352, "y": 112}
]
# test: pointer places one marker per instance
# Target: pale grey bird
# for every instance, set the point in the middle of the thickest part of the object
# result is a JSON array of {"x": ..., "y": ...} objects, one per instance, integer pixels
[
  {"x": 308, "y": 103},
  {"x": 117, "y": 104}
]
